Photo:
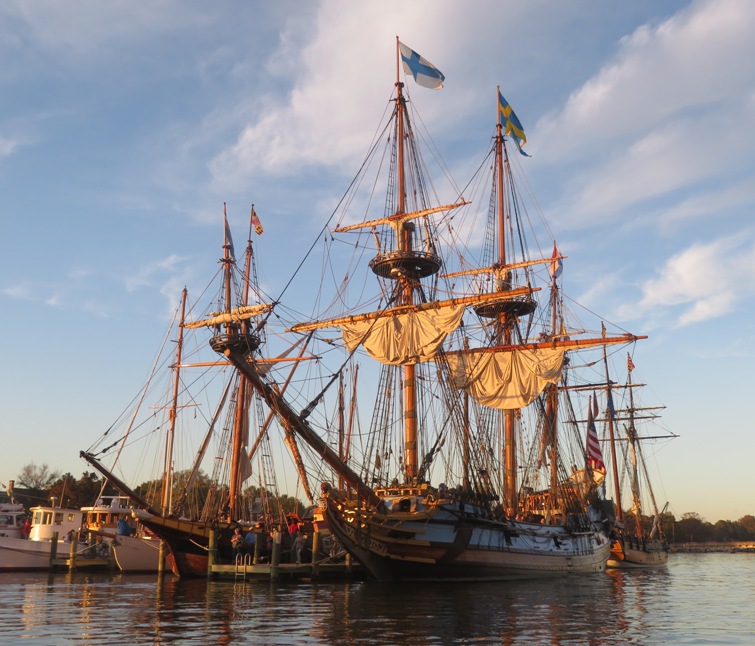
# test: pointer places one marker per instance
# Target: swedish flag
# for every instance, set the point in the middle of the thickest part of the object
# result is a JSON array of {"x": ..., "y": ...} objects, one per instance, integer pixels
[{"x": 512, "y": 125}]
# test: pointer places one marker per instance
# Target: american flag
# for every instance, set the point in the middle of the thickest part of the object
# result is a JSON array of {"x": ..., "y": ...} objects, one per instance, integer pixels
[
  {"x": 256, "y": 222},
  {"x": 630, "y": 363},
  {"x": 594, "y": 454}
]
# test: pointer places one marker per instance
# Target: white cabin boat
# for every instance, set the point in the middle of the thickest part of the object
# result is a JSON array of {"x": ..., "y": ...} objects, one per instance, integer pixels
[
  {"x": 18, "y": 553},
  {"x": 12, "y": 519},
  {"x": 135, "y": 552}
]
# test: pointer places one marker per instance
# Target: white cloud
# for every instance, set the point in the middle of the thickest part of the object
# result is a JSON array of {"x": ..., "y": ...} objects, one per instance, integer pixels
[
  {"x": 8, "y": 147},
  {"x": 672, "y": 156},
  {"x": 147, "y": 274},
  {"x": 703, "y": 282},
  {"x": 20, "y": 292},
  {"x": 341, "y": 83},
  {"x": 732, "y": 198},
  {"x": 677, "y": 120},
  {"x": 76, "y": 32},
  {"x": 660, "y": 72}
]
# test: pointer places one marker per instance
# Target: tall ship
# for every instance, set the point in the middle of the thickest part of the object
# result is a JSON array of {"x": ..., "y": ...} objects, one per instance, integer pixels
[
  {"x": 639, "y": 536},
  {"x": 204, "y": 413},
  {"x": 476, "y": 463}
]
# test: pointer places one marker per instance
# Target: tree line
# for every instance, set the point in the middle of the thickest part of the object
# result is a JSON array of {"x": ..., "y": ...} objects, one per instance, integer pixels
[{"x": 44, "y": 485}]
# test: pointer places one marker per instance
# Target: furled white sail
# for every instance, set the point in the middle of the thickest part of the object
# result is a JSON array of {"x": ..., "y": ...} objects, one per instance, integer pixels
[
  {"x": 402, "y": 339},
  {"x": 505, "y": 380},
  {"x": 238, "y": 314}
]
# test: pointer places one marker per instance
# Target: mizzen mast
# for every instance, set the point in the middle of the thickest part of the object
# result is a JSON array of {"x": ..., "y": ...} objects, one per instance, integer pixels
[{"x": 505, "y": 313}]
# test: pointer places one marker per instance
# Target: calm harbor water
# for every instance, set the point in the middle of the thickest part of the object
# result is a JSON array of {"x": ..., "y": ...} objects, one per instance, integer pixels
[{"x": 698, "y": 599}]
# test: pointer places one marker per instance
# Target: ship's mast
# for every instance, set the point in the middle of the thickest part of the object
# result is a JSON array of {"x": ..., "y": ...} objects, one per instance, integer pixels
[
  {"x": 612, "y": 438},
  {"x": 632, "y": 437},
  {"x": 240, "y": 418},
  {"x": 553, "y": 401},
  {"x": 505, "y": 322},
  {"x": 657, "y": 526},
  {"x": 168, "y": 470},
  {"x": 404, "y": 243}
]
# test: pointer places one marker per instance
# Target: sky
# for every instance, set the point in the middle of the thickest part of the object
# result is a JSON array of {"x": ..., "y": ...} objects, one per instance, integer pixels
[{"x": 125, "y": 127}]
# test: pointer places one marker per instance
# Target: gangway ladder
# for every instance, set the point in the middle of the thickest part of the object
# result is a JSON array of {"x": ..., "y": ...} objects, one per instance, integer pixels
[{"x": 240, "y": 566}]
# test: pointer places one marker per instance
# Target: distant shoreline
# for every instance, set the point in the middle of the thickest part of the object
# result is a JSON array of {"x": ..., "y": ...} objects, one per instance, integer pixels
[{"x": 730, "y": 546}]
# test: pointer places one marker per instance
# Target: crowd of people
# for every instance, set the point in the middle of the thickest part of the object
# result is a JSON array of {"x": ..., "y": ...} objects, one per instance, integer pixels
[{"x": 295, "y": 543}]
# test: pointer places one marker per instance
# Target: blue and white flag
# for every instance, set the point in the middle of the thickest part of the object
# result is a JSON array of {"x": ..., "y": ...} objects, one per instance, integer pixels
[{"x": 424, "y": 72}]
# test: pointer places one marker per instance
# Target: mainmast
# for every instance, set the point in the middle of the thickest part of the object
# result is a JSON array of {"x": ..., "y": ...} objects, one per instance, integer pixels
[
  {"x": 404, "y": 243},
  {"x": 406, "y": 267}
]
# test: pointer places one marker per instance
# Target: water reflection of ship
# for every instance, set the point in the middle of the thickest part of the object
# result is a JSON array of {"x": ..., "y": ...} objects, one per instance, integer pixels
[{"x": 536, "y": 611}]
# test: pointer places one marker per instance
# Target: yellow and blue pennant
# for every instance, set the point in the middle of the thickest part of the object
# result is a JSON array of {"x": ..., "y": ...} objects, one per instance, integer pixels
[{"x": 512, "y": 125}]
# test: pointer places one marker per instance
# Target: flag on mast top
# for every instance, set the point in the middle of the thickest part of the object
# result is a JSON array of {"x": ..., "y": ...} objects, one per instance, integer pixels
[{"x": 423, "y": 71}]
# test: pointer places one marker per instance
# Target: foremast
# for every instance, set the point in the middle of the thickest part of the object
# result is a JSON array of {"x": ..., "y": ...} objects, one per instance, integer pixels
[{"x": 232, "y": 325}]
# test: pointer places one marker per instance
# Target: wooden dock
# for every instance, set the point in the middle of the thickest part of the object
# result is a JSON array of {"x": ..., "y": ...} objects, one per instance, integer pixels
[
  {"x": 249, "y": 566},
  {"x": 76, "y": 560}
]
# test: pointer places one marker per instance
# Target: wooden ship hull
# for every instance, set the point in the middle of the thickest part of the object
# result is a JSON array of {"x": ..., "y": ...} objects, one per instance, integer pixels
[
  {"x": 188, "y": 542},
  {"x": 446, "y": 543},
  {"x": 629, "y": 555}
]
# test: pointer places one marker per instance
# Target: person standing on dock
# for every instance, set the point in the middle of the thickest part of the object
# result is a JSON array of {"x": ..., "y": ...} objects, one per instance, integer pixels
[
  {"x": 237, "y": 541},
  {"x": 298, "y": 547},
  {"x": 250, "y": 539}
]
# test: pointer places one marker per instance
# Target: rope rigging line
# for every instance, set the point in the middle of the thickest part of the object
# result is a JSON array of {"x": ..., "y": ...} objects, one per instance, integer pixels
[{"x": 324, "y": 228}]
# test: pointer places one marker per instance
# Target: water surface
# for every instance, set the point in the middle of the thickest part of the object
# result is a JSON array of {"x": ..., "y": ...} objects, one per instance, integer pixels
[{"x": 697, "y": 599}]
